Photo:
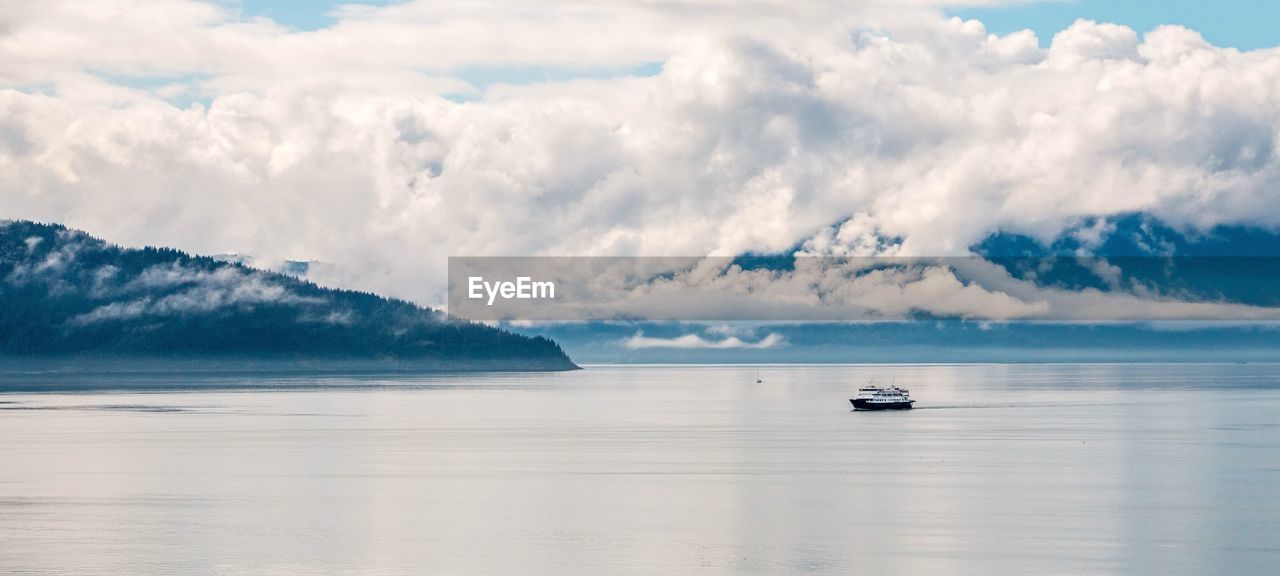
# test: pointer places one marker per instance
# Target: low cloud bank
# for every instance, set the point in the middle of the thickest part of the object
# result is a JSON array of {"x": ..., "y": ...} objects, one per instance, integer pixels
[
  {"x": 698, "y": 342},
  {"x": 840, "y": 289}
]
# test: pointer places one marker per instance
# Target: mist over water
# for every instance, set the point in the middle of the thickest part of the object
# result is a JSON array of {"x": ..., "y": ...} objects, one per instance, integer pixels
[{"x": 1001, "y": 469}]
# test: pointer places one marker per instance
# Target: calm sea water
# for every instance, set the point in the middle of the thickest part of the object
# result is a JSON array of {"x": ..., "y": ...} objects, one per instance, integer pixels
[{"x": 1003, "y": 469}]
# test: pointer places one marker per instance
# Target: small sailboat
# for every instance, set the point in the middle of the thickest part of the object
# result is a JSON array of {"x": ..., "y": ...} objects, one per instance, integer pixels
[{"x": 758, "y": 379}]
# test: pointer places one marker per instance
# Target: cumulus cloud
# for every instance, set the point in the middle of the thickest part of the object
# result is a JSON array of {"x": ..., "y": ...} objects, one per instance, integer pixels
[
  {"x": 846, "y": 130},
  {"x": 696, "y": 341}
]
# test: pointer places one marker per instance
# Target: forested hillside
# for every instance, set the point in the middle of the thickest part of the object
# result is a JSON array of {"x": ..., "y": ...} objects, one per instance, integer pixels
[{"x": 63, "y": 292}]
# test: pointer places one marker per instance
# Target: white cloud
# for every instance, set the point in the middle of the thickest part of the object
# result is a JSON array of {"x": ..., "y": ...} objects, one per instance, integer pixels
[
  {"x": 769, "y": 127},
  {"x": 187, "y": 290},
  {"x": 695, "y": 341}
]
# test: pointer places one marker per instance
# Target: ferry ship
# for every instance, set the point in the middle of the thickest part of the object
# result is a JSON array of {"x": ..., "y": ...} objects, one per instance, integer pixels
[{"x": 872, "y": 397}]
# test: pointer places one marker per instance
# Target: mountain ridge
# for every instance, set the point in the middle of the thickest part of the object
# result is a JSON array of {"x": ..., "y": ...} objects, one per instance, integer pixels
[{"x": 65, "y": 293}]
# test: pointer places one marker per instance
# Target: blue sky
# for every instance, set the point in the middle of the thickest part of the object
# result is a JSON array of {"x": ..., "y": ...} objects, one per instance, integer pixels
[
  {"x": 299, "y": 14},
  {"x": 1243, "y": 24}
]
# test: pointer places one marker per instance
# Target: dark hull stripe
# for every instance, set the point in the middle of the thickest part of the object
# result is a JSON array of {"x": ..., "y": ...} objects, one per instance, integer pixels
[{"x": 865, "y": 405}]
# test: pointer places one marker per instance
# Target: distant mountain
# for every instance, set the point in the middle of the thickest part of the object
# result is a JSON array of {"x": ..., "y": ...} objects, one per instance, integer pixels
[
  {"x": 1132, "y": 253},
  {"x": 64, "y": 293},
  {"x": 1135, "y": 235},
  {"x": 1138, "y": 252}
]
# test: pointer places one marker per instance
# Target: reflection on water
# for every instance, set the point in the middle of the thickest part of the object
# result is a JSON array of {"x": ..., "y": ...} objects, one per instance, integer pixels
[{"x": 1005, "y": 469}]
